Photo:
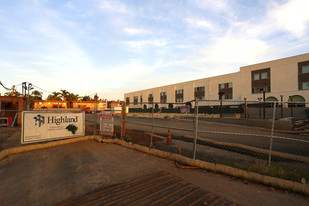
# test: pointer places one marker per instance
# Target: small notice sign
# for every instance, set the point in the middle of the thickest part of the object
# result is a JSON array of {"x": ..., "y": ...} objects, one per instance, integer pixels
[
  {"x": 185, "y": 109},
  {"x": 107, "y": 123}
]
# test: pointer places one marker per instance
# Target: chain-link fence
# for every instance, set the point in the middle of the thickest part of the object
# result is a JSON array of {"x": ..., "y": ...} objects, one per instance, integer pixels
[{"x": 269, "y": 138}]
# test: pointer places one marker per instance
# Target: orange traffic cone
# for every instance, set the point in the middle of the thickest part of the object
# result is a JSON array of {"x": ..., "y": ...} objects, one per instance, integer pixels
[{"x": 169, "y": 137}]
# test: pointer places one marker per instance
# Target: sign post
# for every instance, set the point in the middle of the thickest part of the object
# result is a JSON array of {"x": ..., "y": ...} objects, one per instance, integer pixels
[{"x": 107, "y": 123}]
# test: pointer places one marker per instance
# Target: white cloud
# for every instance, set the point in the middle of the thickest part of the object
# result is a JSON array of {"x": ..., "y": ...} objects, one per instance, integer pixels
[
  {"x": 39, "y": 63},
  {"x": 200, "y": 23},
  {"x": 217, "y": 5},
  {"x": 292, "y": 16},
  {"x": 135, "y": 31},
  {"x": 115, "y": 7},
  {"x": 142, "y": 44}
]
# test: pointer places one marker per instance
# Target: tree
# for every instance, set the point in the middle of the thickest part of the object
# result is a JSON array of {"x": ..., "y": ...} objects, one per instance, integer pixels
[
  {"x": 64, "y": 94},
  {"x": 72, "y": 97},
  {"x": 16, "y": 94},
  {"x": 36, "y": 95},
  {"x": 86, "y": 98},
  {"x": 96, "y": 97},
  {"x": 54, "y": 96}
]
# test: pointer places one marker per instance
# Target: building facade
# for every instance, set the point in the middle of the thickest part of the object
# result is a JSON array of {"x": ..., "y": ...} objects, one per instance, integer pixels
[{"x": 284, "y": 79}]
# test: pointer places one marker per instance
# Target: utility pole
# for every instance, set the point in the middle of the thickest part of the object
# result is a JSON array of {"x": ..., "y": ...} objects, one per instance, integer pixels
[{"x": 28, "y": 96}]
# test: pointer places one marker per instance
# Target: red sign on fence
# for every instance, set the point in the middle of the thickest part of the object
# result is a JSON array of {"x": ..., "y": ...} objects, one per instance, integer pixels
[
  {"x": 185, "y": 109},
  {"x": 107, "y": 123}
]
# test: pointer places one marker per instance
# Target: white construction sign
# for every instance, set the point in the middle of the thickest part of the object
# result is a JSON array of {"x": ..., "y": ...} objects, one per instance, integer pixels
[
  {"x": 107, "y": 123},
  {"x": 45, "y": 126}
]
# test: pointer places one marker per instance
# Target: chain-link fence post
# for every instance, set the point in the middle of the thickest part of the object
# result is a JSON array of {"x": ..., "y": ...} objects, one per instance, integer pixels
[
  {"x": 95, "y": 119},
  {"x": 245, "y": 107},
  {"x": 123, "y": 119},
  {"x": 150, "y": 145},
  {"x": 0, "y": 126},
  {"x": 195, "y": 127},
  {"x": 272, "y": 133}
]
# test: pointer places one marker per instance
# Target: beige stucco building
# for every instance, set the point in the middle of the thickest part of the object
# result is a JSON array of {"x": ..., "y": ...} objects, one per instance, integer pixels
[{"x": 286, "y": 78}]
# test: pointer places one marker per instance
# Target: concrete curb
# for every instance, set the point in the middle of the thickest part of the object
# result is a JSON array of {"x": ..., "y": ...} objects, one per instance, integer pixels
[
  {"x": 253, "y": 149},
  {"x": 266, "y": 180},
  {"x": 16, "y": 150}
]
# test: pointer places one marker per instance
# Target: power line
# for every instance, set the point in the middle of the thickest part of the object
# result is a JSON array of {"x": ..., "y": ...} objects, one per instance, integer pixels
[
  {"x": 42, "y": 89},
  {"x": 5, "y": 87}
]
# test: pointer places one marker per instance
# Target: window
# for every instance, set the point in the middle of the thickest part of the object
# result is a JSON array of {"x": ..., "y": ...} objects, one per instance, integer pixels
[
  {"x": 199, "y": 92},
  {"x": 255, "y": 90},
  {"x": 265, "y": 75},
  {"x": 179, "y": 96},
  {"x": 303, "y": 85},
  {"x": 135, "y": 100},
  {"x": 256, "y": 77},
  {"x": 163, "y": 97},
  {"x": 225, "y": 91},
  {"x": 150, "y": 98},
  {"x": 304, "y": 69},
  {"x": 199, "y": 89},
  {"x": 127, "y": 100},
  {"x": 229, "y": 96},
  {"x": 141, "y": 99},
  {"x": 260, "y": 80}
]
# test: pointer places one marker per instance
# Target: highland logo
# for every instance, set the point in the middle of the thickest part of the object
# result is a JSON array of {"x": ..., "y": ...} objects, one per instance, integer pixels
[
  {"x": 72, "y": 128},
  {"x": 39, "y": 120}
]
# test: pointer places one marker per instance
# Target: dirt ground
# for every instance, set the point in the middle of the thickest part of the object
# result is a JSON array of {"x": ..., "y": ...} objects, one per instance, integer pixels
[{"x": 50, "y": 176}]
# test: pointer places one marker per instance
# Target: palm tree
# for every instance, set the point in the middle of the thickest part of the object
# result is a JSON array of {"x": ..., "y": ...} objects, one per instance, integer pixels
[
  {"x": 36, "y": 95},
  {"x": 72, "y": 97},
  {"x": 86, "y": 98},
  {"x": 54, "y": 96},
  {"x": 64, "y": 93},
  {"x": 96, "y": 97}
]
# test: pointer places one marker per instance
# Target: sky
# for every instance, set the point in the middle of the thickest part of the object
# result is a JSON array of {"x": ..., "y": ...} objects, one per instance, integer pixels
[{"x": 111, "y": 47}]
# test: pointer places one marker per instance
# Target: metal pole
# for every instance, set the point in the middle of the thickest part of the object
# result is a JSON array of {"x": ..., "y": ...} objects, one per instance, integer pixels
[
  {"x": 221, "y": 108},
  {"x": 95, "y": 119},
  {"x": 260, "y": 113},
  {"x": 272, "y": 134},
  {"x": 150, "y": 145},
  {"x": 281, "y": 96},
  {"x": 28, "y": 98},
  {"x": 245, "y": 107},
  {"x": 264, "y": 104},
  {"x": 123, "y": 118},
  {"x": 195, "y": 127}
]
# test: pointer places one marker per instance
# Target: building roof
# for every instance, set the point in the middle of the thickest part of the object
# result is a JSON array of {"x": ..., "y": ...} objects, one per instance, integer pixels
[{"x": 50, "y": 101}]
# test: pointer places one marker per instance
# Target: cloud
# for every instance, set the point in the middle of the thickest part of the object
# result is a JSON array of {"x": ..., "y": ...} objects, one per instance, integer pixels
[
  {"x": 115, "y": 7},
  {"x": 143, "y": 44},
  {"x": 292, "y": 16},
  {"x": 200, "y": 23},
  {"x": 135, "y": 31}
]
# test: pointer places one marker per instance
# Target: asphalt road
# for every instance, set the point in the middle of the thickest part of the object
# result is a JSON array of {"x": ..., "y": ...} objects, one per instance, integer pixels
[{"x": 246, "y": 135}]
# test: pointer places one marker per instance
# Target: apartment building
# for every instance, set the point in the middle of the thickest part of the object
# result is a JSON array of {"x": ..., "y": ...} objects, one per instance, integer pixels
[{"x": 284, "y": 79}]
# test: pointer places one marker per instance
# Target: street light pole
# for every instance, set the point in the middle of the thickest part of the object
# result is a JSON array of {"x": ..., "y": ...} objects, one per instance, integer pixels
[
  {"x": 263, "y": 90},
  {"x": 281, "y": 96},
  {"x": 220, "y": 97},
  {"x": 260, "y": 113}
]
